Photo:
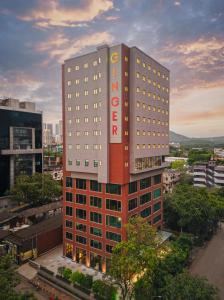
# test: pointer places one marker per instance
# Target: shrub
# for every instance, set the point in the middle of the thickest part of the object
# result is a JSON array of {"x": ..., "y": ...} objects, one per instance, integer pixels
[
  {"x": 61, "y": 271},
  {"x": 67, "y": 273},
  {"x": 76, "y": 277},
  {"x": 104, "y": 290},
  {"x": 84, "y": 280},
  {"x": 88, "y": 282}
]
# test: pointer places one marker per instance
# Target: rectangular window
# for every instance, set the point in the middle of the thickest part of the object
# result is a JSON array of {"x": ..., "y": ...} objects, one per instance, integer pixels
[
  {"x": 132, "y": 204},
  {"x": 157, "y": 179},
  {"x": 113, "y": 236},
  {"x": 69, "y": 235},
  {"x": 156, "y": 193},
  {"x": 145, "y": 198},
  {"x": 81, "y": 199},
  {"x": 81, "y": 184},
  {"x": 132, "y": 187},
  {"x": 109, "y": 248},
  {"x": 69, "y": 182},
  {"x": 145, "y": 183},
  {"x": 80, "y": 227},
  {"x": 145, "y": 212},
  {"x": 157, "y": 219},
  {"x": 80, "y": 239},
  {"x": 81, "y": 214},
  {"x": 68, "y": 211},
  {"x": 113, "y": 204},
  {"x": 69, "y": 197},
  {"x": 95, "y": 217},
  {"x": 113, "y": 221},
  {"x": 68, "y": 224},
  {"x": 156, "y": 206},
  {"x": 96, "y": 231},
  {"x": 113, "y": 188},
  {"x": 96, "y": 244},
  {"x": 95, "y": 186},
  {"x": 96, "y": 201}
]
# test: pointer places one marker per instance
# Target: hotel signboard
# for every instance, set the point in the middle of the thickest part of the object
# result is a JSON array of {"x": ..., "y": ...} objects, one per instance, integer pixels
[{"x": 115, "y": 95}]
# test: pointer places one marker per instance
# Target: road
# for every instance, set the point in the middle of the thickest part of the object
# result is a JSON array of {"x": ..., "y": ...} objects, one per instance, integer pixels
[{"x": 209, "y": 261}]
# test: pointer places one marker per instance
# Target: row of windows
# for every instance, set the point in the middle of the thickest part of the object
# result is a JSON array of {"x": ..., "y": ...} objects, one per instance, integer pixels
[
  {"x": 96, "y": 91},
  {"x": 85, "y": 65},
  {"x": 96, "y": 76},
  {"x": 86, "y": 106},
  {"x": 134, "y": 203},
  {"x": 154, "y": 109},
  {"x": 162, "y": 123},
  {"x": 81, "y": 184},
  {"x": 114, "y": 188},
  {"x": 149, "y": 133},
  {"x": 94, "y": 217},
  {"x": 148, "y": 66},
  {"x": 96, "y": 119},
  {"x": 111, "y": 204},
  {"x": 95, "y": 163},
  {"x": 86, "y": 147},
  {"x": 144, "y": 92},
  {"x": 149, "y": 146},
  {"x": 115, "y": 205},
  {"x": 86, "y": 133},
  {"x": 144, "y": 78},
  {"x": 109, "y": 235}
]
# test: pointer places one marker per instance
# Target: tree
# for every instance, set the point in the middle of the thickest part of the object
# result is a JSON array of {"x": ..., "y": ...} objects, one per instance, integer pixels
[
  {"x": 178, "y": 165},
  {"x": 194, "y": 210},
  {"x": 37, "y": 189},
  {"x": 9, "y": 280},
  {"x": 185, "y": 287},
  {"x": 196, "y": 155},
  {"x": 130, "y": 259}
]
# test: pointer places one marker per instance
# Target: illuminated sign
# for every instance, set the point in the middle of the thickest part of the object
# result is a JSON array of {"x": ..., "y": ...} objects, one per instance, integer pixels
[{"x": 115, "y": 95}]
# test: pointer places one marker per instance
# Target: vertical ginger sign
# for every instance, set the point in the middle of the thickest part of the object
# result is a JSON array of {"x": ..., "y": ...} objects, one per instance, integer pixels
[{"x": 115, "y": 95}]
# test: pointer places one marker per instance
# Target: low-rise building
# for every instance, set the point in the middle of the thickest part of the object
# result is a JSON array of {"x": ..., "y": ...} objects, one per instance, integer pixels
[
  {"x": 30, "y": 242},
  {"x": 170, "y": 178},
  {"x": 208, "y": 174}
]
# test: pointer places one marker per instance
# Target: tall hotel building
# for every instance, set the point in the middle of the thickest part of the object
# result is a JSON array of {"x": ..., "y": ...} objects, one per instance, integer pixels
[{"x": 116, "y": 135}]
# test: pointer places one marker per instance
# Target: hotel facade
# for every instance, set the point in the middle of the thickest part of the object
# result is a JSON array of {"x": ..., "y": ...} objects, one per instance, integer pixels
[{"x": 116, "y": 137}]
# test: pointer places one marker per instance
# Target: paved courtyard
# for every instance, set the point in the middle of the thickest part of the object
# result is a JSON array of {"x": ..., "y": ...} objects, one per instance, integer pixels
[
  {"x": 209, "y": 261},
  {"x": 54, "y": 259}
]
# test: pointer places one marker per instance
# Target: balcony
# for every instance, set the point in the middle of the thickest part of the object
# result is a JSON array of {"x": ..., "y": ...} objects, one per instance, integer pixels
[{"x": 199, "y": 173}]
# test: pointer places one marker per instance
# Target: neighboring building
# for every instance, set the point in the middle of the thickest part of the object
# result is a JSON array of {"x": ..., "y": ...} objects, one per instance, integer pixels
[
  {"x": 218, "y": 153},
  {"x": 31, "y": 242},
  {"x": 58, "y": 132},
  {"x": 170, "y": 179},
  {"x": 116, "y": 136},
  {"x": 47, "y": 134},
  {"x": 20, "y": 141},
  {"x": 208, "y": 174}
]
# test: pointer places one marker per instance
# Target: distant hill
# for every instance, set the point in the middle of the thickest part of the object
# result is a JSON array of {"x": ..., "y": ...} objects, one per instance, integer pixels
[{"x": 182, "y": 139}]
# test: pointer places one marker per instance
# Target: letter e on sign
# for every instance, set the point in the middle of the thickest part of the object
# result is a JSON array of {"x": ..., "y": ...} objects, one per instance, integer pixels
[{"x": 114, "y": 115}]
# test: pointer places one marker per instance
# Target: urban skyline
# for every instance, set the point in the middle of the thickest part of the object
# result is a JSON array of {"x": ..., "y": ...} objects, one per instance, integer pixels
[{"x": 185, "y": 36}]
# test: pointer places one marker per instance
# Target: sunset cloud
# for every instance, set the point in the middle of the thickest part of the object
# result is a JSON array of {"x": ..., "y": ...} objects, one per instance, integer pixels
[
  {"x": 60, "y": 47},
  {"x": 187, "y": 37},
  {"x": 52, "y": 13}
]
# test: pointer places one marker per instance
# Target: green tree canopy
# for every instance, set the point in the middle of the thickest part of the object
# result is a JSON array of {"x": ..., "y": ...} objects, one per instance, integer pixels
[
  {"x": 195, "y": 156},
  {"x": 185, "y": 287},
  {"x": 37, "y": 189},
  {"x": 131, "y": 258}
]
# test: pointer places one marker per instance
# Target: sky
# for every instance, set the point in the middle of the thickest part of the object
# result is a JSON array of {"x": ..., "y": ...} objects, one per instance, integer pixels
[{"x": 186, "y": 36}]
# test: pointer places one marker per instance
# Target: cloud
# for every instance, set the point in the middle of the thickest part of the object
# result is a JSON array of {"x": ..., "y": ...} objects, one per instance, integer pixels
[
  {"x": 51, "y": 13},
  {"x": 61, "y": 47}
]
